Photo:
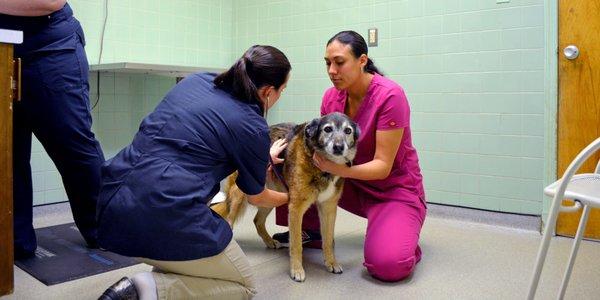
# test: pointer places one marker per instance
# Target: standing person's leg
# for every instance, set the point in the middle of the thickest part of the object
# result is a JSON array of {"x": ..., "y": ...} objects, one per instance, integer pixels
[
  {"x": 63, "y": 126},
  {"x": 24, "y": 236},
  {"x": 227, "y": 275},
  {"x": 391, "y": 242}
]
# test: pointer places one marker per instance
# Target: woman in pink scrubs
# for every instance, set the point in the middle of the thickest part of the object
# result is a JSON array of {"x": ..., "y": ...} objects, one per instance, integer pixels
[{"x": 384, "y": 184}]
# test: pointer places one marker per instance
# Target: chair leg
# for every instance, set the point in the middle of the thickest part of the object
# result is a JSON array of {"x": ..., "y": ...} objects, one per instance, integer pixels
[
  {"x": 543, "y": 250},
  {"x": 574, "y": 249}
]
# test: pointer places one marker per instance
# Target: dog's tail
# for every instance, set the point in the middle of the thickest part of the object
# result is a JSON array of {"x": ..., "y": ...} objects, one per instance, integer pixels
[{"x": 234, "y": 205}]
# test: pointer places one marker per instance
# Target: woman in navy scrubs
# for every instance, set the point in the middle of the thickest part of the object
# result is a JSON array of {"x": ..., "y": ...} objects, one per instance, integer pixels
[
  {"x": 154, "y": 194},
  {"x": 55, "y": 107}
]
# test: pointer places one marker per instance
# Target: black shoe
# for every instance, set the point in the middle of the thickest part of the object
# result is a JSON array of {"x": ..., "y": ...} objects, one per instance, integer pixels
[
  {"x": 22, "y": 254},
  {"x": 310, "y": 239},
  {"x": 92, "y": 245},
  {"x": 91, "y": 241},
  {"x": 123, "y": 289}
]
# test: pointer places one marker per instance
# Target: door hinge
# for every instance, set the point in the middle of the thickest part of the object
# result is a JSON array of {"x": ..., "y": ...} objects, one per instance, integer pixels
[{"x": 16, "y": 80}]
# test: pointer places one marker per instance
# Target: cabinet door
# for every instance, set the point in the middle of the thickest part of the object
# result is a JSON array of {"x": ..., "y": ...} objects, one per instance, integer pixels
[{"x": 6, "y": 171}]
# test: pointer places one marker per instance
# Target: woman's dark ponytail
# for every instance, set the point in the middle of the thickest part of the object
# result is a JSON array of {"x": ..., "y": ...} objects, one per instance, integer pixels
[
  {"x": 259, "y": 66},
  {"x": 242, "y": 83},
  {"x": 371, "y": 68},
  {"x": 358, "y": 45}
]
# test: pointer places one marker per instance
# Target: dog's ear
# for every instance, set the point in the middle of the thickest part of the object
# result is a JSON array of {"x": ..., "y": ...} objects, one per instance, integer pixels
[
  {"x": 356, "y": 130},
  {"x": 311, "y": 128}
]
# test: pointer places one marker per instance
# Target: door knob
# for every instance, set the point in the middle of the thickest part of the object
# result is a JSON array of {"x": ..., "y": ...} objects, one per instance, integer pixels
[{"x": 571, "y": 52}]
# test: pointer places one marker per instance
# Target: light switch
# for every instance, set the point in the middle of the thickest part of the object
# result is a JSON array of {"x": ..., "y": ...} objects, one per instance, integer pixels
[{"x": 372, "y": 40}]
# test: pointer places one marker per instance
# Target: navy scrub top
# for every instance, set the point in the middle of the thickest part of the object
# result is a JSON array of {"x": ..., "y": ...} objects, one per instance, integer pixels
[{"x": 154, "y": 195}]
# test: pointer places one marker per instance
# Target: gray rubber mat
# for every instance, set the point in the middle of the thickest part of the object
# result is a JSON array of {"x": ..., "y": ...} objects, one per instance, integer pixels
[{"x": 62, "y": 256}]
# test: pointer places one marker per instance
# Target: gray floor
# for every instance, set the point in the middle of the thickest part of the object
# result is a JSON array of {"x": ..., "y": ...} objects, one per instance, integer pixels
[{"x": 462, "y": 259}]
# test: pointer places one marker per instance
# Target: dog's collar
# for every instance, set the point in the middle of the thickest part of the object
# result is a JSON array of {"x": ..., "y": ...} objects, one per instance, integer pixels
[{"x": 275, "y": 170}]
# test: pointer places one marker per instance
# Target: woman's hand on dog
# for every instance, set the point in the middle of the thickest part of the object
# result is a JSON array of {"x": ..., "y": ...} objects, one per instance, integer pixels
[
  {"x": 328, "y": 166},
  {"x": 278, "y": 146}
]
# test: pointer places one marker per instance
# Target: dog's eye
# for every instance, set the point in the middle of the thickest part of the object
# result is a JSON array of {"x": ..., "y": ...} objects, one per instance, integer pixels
[
  {"x": 327, "y": 129},
  {"x": 347, "y": 130}
]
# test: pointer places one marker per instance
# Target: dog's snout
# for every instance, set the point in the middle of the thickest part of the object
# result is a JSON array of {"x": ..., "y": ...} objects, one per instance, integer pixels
[{"x": 338, "y": 148}]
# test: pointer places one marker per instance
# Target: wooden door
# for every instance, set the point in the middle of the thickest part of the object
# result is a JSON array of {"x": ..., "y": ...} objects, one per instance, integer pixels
[
  {"x": 6, "y": 174},
  {"x": 578, "y": 97}
]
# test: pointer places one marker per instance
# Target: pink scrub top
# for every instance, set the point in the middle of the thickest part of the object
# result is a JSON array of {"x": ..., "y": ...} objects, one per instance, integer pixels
[{"x": 384, "y": 107}]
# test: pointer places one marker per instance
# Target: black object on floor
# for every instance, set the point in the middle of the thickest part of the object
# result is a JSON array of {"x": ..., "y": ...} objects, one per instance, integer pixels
[{"x": 62, "y": 256}]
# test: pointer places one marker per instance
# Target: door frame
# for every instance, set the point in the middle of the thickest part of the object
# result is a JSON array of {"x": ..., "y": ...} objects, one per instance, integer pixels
[{"x": 551, "y": 103}]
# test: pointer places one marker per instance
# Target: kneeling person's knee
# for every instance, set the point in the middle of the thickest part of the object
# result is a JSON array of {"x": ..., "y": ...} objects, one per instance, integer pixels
[{"x": 390, "y": 268}]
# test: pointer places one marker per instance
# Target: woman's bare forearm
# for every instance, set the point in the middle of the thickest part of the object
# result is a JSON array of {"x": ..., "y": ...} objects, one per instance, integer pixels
[
  {"x": 373, "y": 170},
  {"x": 268, "y": 198}
]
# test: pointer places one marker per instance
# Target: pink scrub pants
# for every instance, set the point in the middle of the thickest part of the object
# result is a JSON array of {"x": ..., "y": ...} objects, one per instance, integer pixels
[{"x": 391, "y": 243}]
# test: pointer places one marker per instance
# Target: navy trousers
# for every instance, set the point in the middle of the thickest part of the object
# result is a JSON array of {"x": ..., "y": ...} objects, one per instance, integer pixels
[{"x": 55, "y": 107}]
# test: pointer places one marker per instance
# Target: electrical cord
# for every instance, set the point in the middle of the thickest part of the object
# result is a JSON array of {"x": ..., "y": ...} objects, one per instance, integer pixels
[{"x": 100, "y": 54}]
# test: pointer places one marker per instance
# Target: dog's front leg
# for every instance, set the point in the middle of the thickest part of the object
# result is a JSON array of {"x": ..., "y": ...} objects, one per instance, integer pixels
[
  {"x": 298, "y": 205},
  {"x": 327, "y": 214}
]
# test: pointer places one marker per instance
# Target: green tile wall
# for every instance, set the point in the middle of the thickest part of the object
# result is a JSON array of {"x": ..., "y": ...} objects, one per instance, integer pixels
[
  {"x": 478, "y": 76},
  {"x": 179, "y": 32},
  {"x": 474, "y": 73}
]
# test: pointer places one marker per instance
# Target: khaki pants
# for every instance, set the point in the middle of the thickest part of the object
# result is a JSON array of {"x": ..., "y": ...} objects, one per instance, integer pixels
[{"x": 227, "y": 275}]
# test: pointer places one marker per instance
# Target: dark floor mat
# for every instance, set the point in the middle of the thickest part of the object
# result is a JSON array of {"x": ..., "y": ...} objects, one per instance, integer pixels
[{"x": 62, "y": 256}]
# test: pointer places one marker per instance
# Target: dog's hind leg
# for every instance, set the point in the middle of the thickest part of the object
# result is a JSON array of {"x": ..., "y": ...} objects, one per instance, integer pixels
[
  {"x": 327, "y": 213},
  {"x": 236, "y": 201},
  {"x": 259, "y": 221}
]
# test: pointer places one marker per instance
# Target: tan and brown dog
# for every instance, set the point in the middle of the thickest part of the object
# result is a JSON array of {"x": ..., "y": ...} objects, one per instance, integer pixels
[{"x": 333, "y": 136}]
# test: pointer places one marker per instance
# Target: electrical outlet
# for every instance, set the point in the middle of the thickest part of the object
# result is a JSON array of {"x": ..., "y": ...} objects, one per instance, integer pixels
[{"x": 372, "y": 40}]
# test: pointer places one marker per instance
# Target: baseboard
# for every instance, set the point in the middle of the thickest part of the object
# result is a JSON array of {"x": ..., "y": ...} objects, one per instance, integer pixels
[{"x": 519, "y": 221}]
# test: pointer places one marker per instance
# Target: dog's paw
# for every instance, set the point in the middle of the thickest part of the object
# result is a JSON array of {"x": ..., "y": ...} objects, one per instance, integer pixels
[
  {"x": 297, "y": 274},
  {"x": 334, "y": 268},
  {"x": 273, "y": 244}
]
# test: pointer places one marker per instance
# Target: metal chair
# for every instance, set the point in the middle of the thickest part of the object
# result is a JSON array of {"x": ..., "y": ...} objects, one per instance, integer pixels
[{"x": 584, "y": 189}]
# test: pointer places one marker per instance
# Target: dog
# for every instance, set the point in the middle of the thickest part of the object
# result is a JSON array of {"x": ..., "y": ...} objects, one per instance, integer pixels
[{"x": 333, "y": 136}]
